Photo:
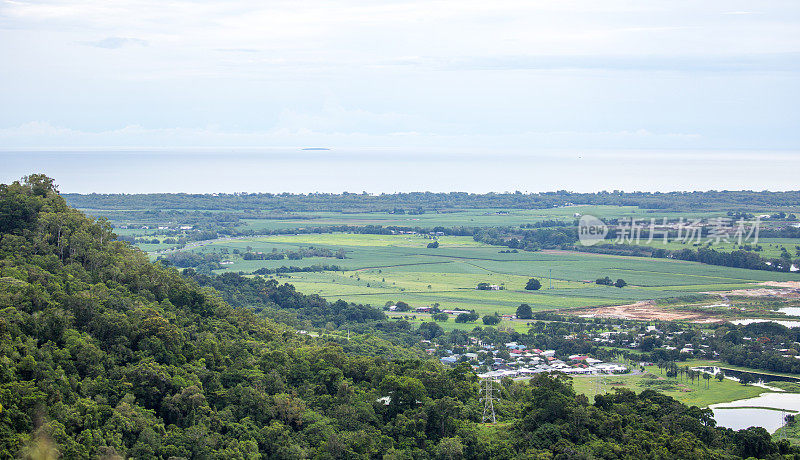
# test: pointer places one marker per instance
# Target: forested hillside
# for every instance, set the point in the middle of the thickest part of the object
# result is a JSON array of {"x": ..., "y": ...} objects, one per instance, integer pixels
[{"x": 104, "y": 354}]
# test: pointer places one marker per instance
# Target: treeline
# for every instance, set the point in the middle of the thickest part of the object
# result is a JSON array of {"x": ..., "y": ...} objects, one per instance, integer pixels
[
  {"x": 260, "y": 294},
  {"x": 187, "y": 259},
  {"x": 293, "y": 269},
  {"x": 298, "y": 254},
  {"x": 738, "y": 258},
  {"x": 527, "y": 239},
  {"x": 431, "y": 202}
]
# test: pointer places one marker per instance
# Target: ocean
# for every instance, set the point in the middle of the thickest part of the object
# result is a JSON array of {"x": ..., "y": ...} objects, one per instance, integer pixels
[{"x": 313, "y": 169}]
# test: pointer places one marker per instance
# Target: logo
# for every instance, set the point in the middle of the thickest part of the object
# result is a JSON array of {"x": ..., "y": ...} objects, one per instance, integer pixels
[{"x": 591, "y": 230}]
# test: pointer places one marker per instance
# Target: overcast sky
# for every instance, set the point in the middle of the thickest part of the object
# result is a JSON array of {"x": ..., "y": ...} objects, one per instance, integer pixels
[{"x": 438, "y": 74}]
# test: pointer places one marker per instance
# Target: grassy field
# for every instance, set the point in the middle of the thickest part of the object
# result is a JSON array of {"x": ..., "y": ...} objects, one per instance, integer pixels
[
  {"x": 416, "y": 319},
  {"x": 389, "y": 268},
  {"x": 682, "y": 389}
]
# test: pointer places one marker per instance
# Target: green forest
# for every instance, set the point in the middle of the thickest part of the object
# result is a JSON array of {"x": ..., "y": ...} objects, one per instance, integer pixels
[{"x": 105, "y": 354}]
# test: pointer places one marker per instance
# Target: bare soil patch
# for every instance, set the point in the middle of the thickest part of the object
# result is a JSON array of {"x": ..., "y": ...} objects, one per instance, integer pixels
[
  {"x": 779, "y": 289},
  {"x": 645, "y": 310}
]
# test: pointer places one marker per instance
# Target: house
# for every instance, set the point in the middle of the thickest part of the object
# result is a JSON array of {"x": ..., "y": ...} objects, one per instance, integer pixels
[
  {"x": 579, "y": 371},
  {"x": 609, "y": 368}
]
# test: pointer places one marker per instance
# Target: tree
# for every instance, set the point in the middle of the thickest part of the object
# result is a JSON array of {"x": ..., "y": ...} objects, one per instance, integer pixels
[
  {"x": 433, "y": 245},
  {"x": 533, "y": 285},
  {"x": 491, "y": 320},
  {"x": 524, "y": 311},
  {"x": 402, "y": 306},
  {"x": 466, "y": 317},
  {"x": 430, "y": 330},
  {"x": 604, "y": 281},
  {"x": 450, "y": 449},
  {"x": 620, "y": 283},
  {"x": 441, "y": 317}
]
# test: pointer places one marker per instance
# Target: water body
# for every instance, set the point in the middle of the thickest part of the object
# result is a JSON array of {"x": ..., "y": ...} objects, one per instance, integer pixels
[
  {"x": 790, "y": 311},
  {"x": 747, "y": 412},
  {"x": 739, "y": 419},
  {"x": 754, "y": 320},
  {"x": 377, "y": 170}
]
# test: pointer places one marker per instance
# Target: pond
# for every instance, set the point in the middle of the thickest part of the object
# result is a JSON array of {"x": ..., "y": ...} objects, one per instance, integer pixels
[
  {"x": 758, "y": 411},
  {"x": 759, "y": 377},
  {"x": 790, "y": 311},
  {"x": 739, "y": 419}
]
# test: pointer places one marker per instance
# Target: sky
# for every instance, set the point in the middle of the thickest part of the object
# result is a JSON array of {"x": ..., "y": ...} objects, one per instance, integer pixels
[{"x": 524, "y": 78}]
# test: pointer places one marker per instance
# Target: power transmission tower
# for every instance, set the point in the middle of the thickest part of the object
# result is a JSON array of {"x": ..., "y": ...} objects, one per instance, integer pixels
[
  {"x": 488, "y": 401},
  {"x": 781, "y": 431},
  {"x": 598, "y": 384}
]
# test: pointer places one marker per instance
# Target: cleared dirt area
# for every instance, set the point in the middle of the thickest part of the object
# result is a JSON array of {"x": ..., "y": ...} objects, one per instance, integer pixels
[
  {"x": 783, "y": 284},
  {"x": 643, "y": 311},
  {"x": 779, "y": 289}
]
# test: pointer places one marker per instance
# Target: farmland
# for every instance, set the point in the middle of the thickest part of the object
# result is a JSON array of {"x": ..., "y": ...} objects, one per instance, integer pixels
[{"x": 390, "y": 268}]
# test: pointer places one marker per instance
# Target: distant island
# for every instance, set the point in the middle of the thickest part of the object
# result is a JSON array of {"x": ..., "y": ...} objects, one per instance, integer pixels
[{"x": 316, "y": 148}]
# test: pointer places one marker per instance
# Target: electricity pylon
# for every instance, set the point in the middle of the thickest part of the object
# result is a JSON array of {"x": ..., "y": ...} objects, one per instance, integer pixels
[
  {"x": 488, "y": 401},
  {"x": 598, "y": 384}
]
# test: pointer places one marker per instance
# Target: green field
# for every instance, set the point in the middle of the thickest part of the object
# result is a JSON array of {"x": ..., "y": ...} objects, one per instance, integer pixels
[
  {"x": 682, "y": 389},
  {"x": 389, "y": 268}
]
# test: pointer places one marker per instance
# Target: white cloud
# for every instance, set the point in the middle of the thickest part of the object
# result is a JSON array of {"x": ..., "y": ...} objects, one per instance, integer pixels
[{"x": 459, "y": 71}]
